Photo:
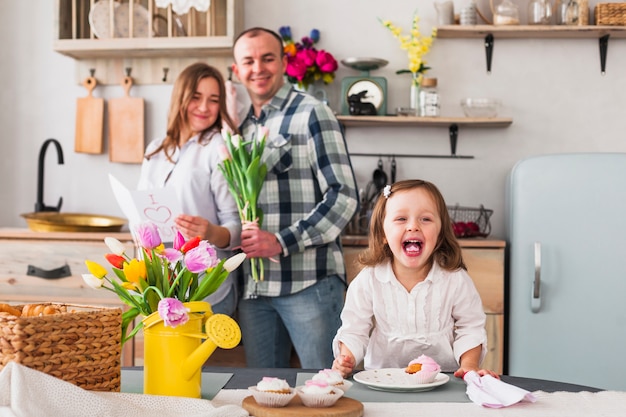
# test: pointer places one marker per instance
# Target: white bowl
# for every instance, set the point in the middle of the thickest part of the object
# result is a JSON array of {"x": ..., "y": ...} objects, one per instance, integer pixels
[{"x": 480, "y": 107}]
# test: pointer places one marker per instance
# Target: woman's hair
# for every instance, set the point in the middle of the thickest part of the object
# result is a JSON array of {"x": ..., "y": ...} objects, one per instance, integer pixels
[
  {"x": 185, "y": 87},
  {"x": 447, "y": 251}
]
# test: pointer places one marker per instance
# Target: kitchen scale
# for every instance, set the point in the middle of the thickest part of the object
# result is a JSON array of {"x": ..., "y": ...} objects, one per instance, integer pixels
[{"x": 376, "y": 87}]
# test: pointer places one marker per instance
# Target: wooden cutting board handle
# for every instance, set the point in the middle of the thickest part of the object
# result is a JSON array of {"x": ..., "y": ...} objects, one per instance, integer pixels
[{"x": 89, "y": 120}]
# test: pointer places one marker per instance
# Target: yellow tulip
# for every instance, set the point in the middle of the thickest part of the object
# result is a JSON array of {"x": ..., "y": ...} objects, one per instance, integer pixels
[
  {"x": 134, "y": 270},
  {"x": 96, "y": 269},
  {"x": 130, "y": 286}
]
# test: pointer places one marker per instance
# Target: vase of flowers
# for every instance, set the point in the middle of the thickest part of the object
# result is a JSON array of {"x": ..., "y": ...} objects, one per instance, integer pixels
[
  {"x": 166, "y": 287},
  {"x": 306, "y": 64},
  {"x": 416, "y": 46}
]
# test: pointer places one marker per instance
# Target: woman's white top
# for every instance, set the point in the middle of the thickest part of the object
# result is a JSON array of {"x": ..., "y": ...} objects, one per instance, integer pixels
[
  {"x": 199, "y": 185},
  {"x": 441, "y": 317}
]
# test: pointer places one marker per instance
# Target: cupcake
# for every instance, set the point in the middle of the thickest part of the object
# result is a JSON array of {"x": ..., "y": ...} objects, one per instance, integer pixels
[
  {"x": 317, "y": 393},
  {"x": 422, "y": 370},
  {"x": 272, "y": 392},
  {"x": 333, "y": 378}
]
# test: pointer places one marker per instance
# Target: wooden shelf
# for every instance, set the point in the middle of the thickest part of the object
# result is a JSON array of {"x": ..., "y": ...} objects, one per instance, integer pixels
[
  {"x": 530, "y": 31},
  {"x": 399, "y": 121}
]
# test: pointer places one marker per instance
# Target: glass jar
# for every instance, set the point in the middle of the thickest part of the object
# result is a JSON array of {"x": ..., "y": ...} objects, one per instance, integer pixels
[
  {"x": 539, "y": 12},
  {"x": 429, "y": 104},
  {"x": 506, "y": 13}
]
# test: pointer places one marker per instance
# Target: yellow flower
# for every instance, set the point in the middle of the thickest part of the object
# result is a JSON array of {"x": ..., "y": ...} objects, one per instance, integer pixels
[
  {"x": 96, "y": 269},
  {"x": 416, "y": 46},
  {"x": 130, "y": 286},
  {"x": 135, "y": 270}
]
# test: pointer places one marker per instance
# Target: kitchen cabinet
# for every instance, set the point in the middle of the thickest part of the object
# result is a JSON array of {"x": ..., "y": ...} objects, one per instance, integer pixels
[
  {"x": 484, "y": 259},
  {"x": 490, "y": 32},
  {"x": 154, "y": 43},
  {"x": 452, "y": 123},
  {"x": 21, "y": 249}
]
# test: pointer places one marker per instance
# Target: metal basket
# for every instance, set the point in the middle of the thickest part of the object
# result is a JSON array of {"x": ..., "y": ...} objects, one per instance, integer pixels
[{"x": 470, "y": 221}]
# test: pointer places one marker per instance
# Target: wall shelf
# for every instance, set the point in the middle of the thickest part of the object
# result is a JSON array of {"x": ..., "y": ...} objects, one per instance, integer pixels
[
  {"x": 452, "y": 123},
  {"x": 490, "y": 32}
]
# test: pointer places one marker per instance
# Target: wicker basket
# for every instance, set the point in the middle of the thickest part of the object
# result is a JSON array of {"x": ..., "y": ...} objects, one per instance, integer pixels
[
  {"x": 610, "y": 14},
  {"x": 81, "y": 346},
  {"x": 470, "y": 221}
]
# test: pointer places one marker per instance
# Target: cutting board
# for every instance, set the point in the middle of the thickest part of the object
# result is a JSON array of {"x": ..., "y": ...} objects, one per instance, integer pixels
[
  {"x": 89, "y": 120},
  {"x": 126, "y": 126},
  {"x": 344, "y": 407}
]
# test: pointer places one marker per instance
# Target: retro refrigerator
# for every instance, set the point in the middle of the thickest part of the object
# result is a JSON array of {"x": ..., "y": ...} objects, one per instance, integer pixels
[{"x": 566, "y": 227}]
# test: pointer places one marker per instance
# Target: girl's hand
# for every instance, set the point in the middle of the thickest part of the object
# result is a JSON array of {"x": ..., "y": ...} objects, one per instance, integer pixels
[
  {"x": 345, "y": 362},
  {"x": 460, "y": 373}
]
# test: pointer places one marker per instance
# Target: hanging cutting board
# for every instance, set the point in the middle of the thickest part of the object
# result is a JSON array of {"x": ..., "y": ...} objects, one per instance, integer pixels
[
  {"x": 89, "y": 121},
  {"x": 126, "y": 126}
]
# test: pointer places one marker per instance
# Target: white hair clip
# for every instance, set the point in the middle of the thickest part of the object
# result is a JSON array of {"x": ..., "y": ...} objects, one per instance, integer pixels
[{"x": 387, "y": 191}]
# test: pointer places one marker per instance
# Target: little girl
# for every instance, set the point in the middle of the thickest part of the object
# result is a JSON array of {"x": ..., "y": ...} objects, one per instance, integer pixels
[{"x": 414, "y": 295}]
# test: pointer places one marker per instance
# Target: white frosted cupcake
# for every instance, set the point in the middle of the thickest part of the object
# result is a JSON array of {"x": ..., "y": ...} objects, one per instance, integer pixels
[
  {"x": 317, "y": 393},
  {"x": 272, "y": 392},
  {"x": 333, "y": 378},
  {"x": 422, "y": 370}
]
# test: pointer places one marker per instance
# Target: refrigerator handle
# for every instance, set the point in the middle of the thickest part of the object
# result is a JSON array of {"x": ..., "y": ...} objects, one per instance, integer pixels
[{"x": 535, "y": 300}]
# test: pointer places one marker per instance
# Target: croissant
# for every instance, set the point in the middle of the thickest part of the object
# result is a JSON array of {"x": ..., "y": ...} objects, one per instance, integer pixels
[{"x": 7, "y": 308}]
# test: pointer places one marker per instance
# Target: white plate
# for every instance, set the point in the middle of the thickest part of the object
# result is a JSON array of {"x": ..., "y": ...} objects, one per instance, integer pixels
[
  {"x": 395, "y": 379},
  {"x": 141, "y": 21},
  {"x": 99, "y": 18}
]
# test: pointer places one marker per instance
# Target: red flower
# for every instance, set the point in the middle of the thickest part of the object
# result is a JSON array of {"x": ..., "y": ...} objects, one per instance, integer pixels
[
  {"x": 190, "y": 244},
  {"x": 115, "y": 260}
]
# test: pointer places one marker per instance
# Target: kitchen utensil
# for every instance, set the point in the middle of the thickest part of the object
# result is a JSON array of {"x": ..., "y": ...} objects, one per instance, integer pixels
[
  {"x": 393, "y": 169},
  {"x": 89, "y": 120},
  {"x": 380, "y": 176},
  {"x": 72, "y": 222},
  {"x": 126, "y": 126}
]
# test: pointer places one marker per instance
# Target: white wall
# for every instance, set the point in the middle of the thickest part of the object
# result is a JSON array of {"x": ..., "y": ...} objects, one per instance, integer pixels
[{"x": 552, "y": 88}]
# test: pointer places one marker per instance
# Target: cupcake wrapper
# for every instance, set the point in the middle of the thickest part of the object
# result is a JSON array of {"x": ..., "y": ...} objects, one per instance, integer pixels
[
  {"x": 320, "y": 400},
  {"x": 272, "y": 399},
  {"x": 421, "y": 377}
]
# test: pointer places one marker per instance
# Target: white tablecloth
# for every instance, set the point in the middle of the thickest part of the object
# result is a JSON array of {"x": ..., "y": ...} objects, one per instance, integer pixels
[{"x": 557, "y": 404}]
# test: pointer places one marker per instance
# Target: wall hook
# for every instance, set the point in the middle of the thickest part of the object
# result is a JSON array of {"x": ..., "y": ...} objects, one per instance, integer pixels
[
  {"x": 165, "y": 71},
  {"x": 128, "y": 71},
  {"x": 92, "y": 71}
]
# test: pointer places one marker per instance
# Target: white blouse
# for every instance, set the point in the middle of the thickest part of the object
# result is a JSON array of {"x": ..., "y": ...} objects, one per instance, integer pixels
[
  {"x": 441, "y": 317},
  {"x": 199, "y": 186}
]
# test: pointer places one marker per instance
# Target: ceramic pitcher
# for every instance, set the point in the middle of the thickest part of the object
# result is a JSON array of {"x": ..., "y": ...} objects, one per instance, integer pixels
[
  {"x": 173, "y": 356},
  {"x": 445, "y": 13}
]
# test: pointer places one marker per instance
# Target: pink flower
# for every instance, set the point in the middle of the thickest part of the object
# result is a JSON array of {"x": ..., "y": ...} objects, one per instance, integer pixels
[
  {"x": 173, "y": 312},
  {"x": 179, "y": 240},
  {"x": 148, "y": 235},
  {"x": 326, "y": 62},
  {"x": 307, "y": 56},
  {"x": 296, "y": 69},
  {"x": 201, "y": 258}
]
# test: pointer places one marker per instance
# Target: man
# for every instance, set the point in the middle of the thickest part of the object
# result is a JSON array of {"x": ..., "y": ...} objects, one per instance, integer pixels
[{"x": 308, "y": 197}]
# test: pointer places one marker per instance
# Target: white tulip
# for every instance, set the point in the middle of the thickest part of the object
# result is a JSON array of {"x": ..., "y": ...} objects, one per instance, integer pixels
[
  {"x": 93, "y": 281},
  {"x": 234, "y": 261},
  {"x": 115, "y": 246}
]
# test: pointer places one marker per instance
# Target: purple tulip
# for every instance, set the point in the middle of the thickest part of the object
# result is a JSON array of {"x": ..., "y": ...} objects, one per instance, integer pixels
[
  {"x": 201, "y": 258},
  {"x": 179, "y": 240},
  {"x": 148, "y": 235},
  {"x": 315, "y": 35},
  {"x": 173, "y": 312}
]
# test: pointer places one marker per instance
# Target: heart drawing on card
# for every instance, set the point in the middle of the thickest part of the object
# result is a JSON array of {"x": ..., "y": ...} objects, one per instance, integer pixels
[{"x": 159, "y": 215}]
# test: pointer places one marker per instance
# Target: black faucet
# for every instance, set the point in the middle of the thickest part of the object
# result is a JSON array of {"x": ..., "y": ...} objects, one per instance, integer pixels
[{"x": 39, "y": 205}]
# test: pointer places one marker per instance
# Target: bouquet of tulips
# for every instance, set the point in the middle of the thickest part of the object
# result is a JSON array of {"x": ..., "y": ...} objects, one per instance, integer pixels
[
  {"x": 160, "y": 279},
  {"x": 245, "y": 174}
]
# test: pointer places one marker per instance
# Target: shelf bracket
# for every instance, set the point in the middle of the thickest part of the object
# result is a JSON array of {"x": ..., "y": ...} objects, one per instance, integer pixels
[
  {"x": 604, "y": 46},
  {"x": 489, "y": 40},
  {"x": 454, "y": 136}
]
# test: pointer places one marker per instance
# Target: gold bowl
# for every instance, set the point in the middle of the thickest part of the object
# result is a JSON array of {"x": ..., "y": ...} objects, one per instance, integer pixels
[{"x": 50, "y": 221}]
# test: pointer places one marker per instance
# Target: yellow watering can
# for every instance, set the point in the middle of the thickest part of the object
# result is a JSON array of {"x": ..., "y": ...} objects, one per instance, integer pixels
[{"x": 173, "y": 356}]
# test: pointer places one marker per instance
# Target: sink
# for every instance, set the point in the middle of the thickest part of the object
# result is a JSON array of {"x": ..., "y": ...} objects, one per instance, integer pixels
[{"x": 72, "y": 222}]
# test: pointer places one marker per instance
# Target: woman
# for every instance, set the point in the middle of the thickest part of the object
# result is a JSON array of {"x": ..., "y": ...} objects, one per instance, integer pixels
[{"x": 186, "y": 161}]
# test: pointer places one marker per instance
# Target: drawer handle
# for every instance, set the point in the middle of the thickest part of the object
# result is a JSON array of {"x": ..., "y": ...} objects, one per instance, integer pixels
[{"x": 61, "y": 272}]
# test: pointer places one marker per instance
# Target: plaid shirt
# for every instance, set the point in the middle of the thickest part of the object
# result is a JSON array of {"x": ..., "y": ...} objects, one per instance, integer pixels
[{"x": 309, "y": 194}]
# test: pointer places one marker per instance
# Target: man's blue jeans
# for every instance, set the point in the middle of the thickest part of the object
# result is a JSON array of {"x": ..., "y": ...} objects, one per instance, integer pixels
[{"x": 309, "y": 319}]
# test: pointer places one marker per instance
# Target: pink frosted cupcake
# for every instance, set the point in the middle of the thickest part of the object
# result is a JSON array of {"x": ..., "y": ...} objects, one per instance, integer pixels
[
  {"x": 272, "y": 392},
  {"x": 422, "y": 370},
  {"x": 333, "y": 378},
  {"x": 317, "y": 393}
]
